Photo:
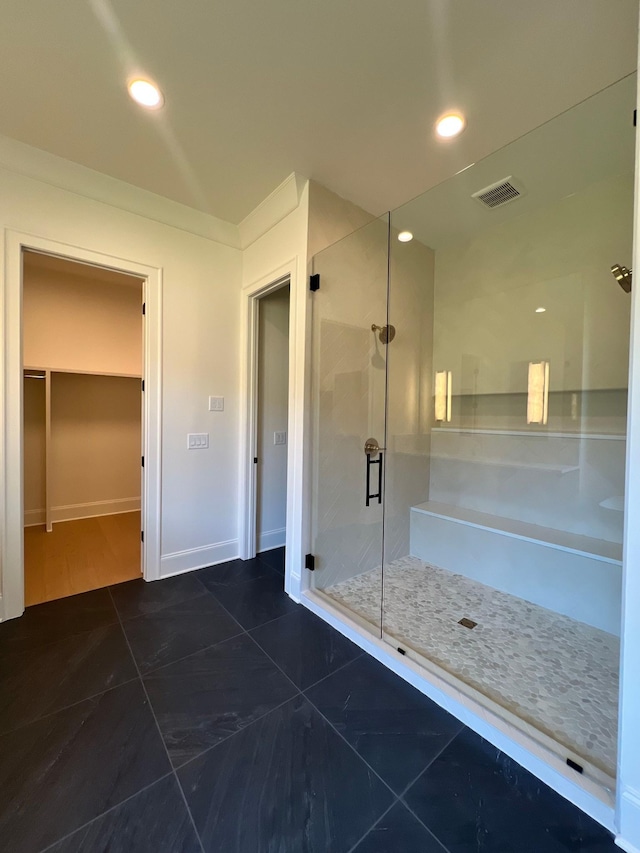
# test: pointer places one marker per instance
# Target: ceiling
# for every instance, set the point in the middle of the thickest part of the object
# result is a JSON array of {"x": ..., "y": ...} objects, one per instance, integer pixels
[
  {"x": 342, "y": 92},
  {"x": 559, "y": 159}
]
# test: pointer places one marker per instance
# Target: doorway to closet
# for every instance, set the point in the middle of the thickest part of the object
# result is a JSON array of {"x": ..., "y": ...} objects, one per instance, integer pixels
[
  {"x": 272, "y": 410},
  {"x": 82, "y": 357}
]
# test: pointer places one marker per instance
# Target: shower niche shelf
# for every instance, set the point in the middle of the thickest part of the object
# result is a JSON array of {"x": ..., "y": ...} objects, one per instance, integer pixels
[{"x": 506, "y": 463}]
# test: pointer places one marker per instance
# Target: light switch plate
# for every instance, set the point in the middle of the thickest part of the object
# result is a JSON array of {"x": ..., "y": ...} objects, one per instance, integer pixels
[
  {"x": 197, "y": 440},
  {"x": 280, "y": 437},
  {"x": 216, "y": 404}
]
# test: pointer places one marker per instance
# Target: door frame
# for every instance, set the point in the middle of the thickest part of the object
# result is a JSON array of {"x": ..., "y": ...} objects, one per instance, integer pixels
[
  {"x": 249, "y": 416},
  {"x": 295, "y": 271},
  {"x": 11, "y": 405}
]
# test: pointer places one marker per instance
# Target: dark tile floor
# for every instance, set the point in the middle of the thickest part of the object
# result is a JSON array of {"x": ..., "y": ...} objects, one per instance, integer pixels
[{"x": 208, "y": 712}]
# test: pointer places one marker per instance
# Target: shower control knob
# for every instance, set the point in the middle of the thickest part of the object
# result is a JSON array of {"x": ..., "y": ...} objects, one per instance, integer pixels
[{"x": 371, "y": 447}]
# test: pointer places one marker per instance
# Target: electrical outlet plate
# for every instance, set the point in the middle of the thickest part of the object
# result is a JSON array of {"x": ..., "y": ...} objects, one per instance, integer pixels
[
  {"x": 197, "y": 440},
  {"x": 280, "y": 437},
  {"x": 216, "y": 404}
]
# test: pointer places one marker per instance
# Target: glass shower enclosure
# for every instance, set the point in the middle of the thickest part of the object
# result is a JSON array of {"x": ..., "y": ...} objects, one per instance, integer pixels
[{"x": 469, "y": 391}]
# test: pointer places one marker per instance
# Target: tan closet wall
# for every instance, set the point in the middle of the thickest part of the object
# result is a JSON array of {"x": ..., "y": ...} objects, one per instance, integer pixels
[
  {"x": 80, "y": 323},
  {"x": 89, "y": 322},
  {"x": 34, "y": 446}
]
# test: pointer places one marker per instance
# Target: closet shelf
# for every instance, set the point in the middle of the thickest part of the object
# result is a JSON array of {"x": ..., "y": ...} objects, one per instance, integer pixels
[{"x": 31, "y": 368}]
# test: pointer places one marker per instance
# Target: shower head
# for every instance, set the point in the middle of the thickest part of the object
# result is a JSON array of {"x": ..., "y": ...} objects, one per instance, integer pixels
[
  {"x": 623, "y": 276},
  {"x": 386, "y": 333}
]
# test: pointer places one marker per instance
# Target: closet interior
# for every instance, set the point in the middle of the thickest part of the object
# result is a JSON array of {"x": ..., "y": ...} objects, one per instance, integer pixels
[{"x": 82, "y": 405}]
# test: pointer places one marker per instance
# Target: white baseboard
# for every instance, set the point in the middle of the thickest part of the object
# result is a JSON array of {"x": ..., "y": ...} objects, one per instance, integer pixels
[
  {"x": 198, "y": 558},
  {"x": 624, "y": 845},
  {"x": 75, "y": 512},
  {"x": 629, "y": 820},
  {"x": 272, "y": 539}
]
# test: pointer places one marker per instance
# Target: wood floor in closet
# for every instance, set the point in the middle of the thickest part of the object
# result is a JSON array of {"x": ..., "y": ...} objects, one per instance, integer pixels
[{"x": 80, "y": 555}]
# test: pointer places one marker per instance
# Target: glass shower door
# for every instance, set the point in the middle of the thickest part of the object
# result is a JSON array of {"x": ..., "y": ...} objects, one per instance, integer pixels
[{"x": 348, "y": 430}]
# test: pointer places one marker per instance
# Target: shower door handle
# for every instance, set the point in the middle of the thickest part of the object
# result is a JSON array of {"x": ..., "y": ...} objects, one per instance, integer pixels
[{"x": 372, "y": 448}]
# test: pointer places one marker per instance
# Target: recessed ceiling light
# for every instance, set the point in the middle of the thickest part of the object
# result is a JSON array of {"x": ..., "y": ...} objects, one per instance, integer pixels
[
  {"x": 405, "y": 236},
  {"x": 450, "y": 125},
  {"x": 540, "y": 310},
  {"x": 146, "y": 94}
]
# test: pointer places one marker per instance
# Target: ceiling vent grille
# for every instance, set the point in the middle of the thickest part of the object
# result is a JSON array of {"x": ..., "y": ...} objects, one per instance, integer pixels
[{"x": 502, "y": 192}]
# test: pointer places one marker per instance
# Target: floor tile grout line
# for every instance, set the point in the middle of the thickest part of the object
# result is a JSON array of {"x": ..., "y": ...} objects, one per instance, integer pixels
[
  {"x": 351, "y": 747},
  {"x": 121, "y": 618},
  {"x": 275, "y": 619},
  {"x": 338, "y": 669},
  {"x": 278, "y": 667},
  {"x": 4, "y": 653},
  {"x": 162, "y": 740},
  {"x": 190, "y": 655},
  {"x": 435, "y": 758},
  {"x": 106, "y": 812},
  {"x": 299, "y": 692},
  {"x": 423, "y": 824},
  {"x": 234, "y": 734},
  {"x": 71, "y": 705},
  {"x": 202, "y": 594},
  {"x": 314, "y": 706},
  {"x": 372, "y": 827},
  {"x": 401, "y": 795},
  {"x": 245, "y": 581},
  {"x": 255, "y": 627},
  {"x": 229, "y": 613},
  {"x": 269, "y": 566}
]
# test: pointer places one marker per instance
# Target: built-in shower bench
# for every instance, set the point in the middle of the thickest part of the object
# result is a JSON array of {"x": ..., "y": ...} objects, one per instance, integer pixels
[{"x": 576, "y": 575}]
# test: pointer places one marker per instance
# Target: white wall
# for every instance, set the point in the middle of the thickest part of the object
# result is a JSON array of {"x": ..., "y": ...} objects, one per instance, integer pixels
[
  {"x": 273, "y": 404},
  {"x": 331, "y": 218},
  {"x": 200, "y": 340}
]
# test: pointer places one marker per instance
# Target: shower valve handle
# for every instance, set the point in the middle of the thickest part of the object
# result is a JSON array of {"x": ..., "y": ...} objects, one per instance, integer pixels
[{"x": 372, "y": 448}]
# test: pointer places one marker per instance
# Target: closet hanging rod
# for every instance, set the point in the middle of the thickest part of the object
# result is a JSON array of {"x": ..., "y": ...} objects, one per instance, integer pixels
[{"x": 33, "y": 376}]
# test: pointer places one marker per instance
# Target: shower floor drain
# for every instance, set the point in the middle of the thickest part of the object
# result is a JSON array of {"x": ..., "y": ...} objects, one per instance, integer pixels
[{"x": 467, "y": 623}]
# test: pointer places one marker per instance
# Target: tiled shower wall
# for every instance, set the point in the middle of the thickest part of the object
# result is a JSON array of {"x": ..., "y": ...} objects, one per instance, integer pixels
[
  {"x": 568, "y": 475},
  {"x": 563, "y": 482}
]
